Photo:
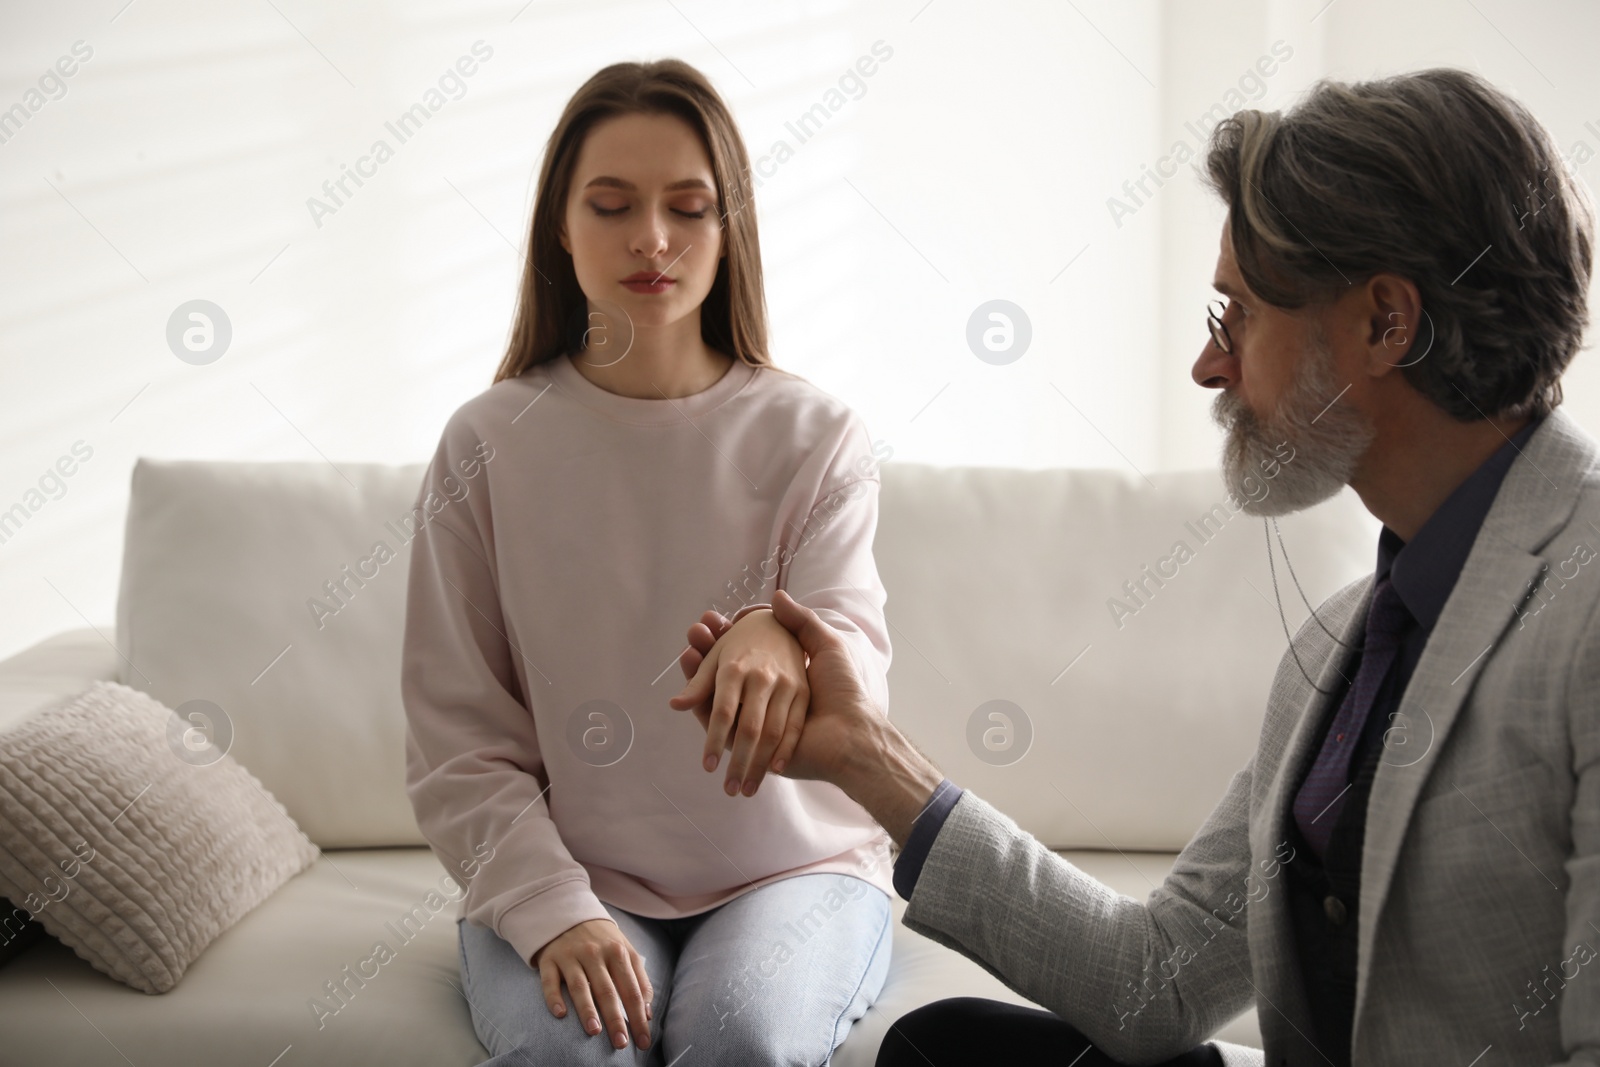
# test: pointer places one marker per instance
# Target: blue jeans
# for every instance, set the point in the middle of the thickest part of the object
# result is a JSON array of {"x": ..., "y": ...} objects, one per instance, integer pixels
[{"x": 774, "y": 976}]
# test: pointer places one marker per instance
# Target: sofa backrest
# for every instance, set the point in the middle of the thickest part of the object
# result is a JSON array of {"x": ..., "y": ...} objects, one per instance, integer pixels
[
  {"x": 223, "y": 567},
  {"x": 997, "y": 580},
  {"x": 1036, "y": 660}
]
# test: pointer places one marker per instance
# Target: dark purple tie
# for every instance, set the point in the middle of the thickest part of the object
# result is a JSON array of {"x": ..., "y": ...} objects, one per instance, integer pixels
[{"x": 1322, "y": 796}]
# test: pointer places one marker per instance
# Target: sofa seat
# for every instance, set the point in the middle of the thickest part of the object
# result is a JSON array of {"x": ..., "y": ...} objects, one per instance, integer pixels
[{"x": 247, "y": 999}]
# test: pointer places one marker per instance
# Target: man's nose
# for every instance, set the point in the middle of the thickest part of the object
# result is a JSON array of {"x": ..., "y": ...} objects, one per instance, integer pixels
[{"x": 1215, "y": 369}]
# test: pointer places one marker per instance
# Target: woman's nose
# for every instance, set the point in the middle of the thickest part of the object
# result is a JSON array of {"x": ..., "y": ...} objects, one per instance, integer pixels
[{"x": 651, "y": 238}]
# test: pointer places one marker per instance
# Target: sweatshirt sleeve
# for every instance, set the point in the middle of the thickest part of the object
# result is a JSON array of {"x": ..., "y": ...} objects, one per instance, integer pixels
[
  {"x": 473, "y": 767},
  {"x": 832, "y": 570}
]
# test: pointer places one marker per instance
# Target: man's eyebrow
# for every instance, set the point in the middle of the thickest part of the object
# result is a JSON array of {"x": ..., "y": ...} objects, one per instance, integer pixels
[
  {"x": 620, "y": 183},
  {"x": 1224, "y": 287}
]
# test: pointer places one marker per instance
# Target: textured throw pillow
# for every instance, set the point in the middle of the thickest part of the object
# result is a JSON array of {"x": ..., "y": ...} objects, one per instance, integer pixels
[{"x": 131, "y": 838}]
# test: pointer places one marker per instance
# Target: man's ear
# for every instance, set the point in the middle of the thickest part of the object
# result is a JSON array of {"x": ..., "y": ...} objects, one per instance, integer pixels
[{"x": 1397, "y": 331}]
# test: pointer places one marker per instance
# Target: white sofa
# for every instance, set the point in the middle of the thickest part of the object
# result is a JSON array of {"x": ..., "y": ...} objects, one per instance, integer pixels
[{"x": 1130, "y": 722}]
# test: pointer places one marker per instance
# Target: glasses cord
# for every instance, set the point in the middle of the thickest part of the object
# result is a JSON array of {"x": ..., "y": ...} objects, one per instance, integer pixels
[
  {"x": 1272, "y": 568},
  {"x": 1302, "y": 592}
]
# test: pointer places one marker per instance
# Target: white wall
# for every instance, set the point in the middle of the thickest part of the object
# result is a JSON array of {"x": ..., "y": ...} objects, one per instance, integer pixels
[{"x": 976, "y": 166}]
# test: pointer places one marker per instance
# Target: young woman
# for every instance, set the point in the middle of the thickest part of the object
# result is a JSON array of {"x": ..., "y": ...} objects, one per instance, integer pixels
[{"x": 637, "y": 461}]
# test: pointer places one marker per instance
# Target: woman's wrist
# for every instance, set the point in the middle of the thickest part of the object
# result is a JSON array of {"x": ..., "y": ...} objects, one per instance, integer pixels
[{"x": 748, "y": 609}]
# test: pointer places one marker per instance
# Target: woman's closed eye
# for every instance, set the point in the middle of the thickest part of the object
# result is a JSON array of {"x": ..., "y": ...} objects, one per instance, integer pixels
[{"x": 609, "y": 212}]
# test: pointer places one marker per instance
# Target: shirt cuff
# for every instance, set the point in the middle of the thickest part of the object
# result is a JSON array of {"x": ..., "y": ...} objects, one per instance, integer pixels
[{"x": 924, "y": 829}]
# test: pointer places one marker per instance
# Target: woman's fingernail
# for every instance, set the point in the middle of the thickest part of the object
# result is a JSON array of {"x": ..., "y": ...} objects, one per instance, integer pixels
[
  {"x": 730, "y": 787},
  {"x": 778, "y": 765},
  {"x": 711, "y": 763},
  {"x": 749, "y": 789}
]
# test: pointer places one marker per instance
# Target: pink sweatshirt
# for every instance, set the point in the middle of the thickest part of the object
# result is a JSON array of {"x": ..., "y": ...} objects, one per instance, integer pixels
[{"x": 571, "y": 537}]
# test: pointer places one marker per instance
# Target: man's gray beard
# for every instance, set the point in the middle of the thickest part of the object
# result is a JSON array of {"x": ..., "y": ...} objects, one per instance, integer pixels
[{"x": 1328, "y": 438}]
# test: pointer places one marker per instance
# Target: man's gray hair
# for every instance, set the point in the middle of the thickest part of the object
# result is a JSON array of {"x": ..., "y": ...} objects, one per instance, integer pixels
[{"x": 1441, "y": 178}]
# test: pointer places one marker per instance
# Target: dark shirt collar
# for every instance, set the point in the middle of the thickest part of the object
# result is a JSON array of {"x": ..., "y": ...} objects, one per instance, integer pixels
[{"x": 1424, "y": 570}]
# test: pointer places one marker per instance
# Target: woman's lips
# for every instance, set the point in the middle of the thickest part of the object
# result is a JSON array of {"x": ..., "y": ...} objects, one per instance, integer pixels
[{"x": 649, "y": 283}]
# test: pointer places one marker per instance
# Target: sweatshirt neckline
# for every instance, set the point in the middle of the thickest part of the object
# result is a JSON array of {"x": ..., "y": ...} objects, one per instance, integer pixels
[{"x": 643, "y": 410}]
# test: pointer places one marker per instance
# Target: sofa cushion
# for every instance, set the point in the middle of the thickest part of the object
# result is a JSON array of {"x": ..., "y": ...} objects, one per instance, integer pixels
[
  {"x": 252, "y": 997},
  {"x": 129, "y": 841},
  {"x": 277, "y": 592}
]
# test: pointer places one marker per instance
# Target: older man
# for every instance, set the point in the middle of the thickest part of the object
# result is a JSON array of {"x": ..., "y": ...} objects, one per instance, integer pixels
[{"x": 1406, "y": 263}]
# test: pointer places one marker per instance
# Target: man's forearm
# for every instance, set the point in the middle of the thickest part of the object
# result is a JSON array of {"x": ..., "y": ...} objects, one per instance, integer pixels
[{"x": 891, "y": 779}]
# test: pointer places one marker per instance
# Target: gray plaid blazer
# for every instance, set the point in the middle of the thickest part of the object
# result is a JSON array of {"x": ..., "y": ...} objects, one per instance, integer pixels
[{"x": 1480, "y": 892}]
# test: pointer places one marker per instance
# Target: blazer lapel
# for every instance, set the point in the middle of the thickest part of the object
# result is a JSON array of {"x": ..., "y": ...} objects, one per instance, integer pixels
[{"x": 1535, "y": 500}]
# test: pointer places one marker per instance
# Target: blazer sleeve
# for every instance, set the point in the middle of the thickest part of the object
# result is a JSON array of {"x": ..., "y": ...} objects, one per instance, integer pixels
[
  {"x": 1143, "y": 981},
  {"x": 474, "y": 773}
]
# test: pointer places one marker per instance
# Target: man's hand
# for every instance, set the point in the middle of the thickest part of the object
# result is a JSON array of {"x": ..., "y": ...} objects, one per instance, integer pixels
[
  {"x": 846, "y": 740},
  {"x": 840, "y": 712},
  {"x": 749, "y": 690}
]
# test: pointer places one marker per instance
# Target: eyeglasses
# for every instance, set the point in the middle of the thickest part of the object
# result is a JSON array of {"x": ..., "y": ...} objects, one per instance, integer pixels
[{"x": 1219, "y": 332}]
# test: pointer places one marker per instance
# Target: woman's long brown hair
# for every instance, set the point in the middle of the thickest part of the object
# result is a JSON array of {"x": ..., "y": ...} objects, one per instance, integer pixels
[{"x": 551, "y": 309}]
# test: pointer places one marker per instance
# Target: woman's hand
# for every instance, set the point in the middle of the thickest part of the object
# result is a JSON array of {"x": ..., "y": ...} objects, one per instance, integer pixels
[
  {"x": 750, "y": 693},
  {"x": 598, "y": 962},
  {"x": 847, "y": 741},
  {"x": 702, "y": 635}
]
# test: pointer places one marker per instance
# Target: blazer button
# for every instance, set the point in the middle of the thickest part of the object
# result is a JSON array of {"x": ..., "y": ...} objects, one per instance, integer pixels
[{"x": 1334, "y": 908}]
